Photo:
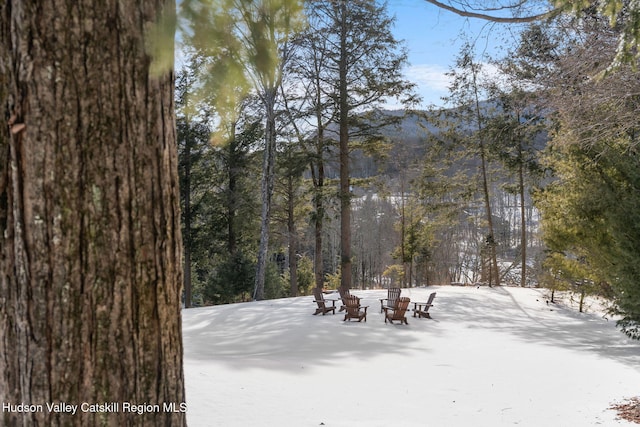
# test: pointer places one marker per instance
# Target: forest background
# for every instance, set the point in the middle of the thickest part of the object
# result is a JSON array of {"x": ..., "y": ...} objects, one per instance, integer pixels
[{"x": 527, "y": 176}]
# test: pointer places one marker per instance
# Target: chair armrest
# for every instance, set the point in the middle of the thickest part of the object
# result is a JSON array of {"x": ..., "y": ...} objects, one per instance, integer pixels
[
  {"x": 333, "y": 301},
  {"x": 421, "y": 304}
]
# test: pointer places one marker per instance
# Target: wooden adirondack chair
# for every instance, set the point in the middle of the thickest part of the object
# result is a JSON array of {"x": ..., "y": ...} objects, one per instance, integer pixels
[
  {"x": 353, "y": 310},
  {"x": 322, "y": 303},
  {"x": 422, "y": 308},
  {"x": 344, "y": 293},
  {"x": 398, "y": 311},
  {"x": 392, "y": 295}
]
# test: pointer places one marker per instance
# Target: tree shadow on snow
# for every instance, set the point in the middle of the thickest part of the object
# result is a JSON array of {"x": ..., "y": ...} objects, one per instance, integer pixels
[{"x": 284, "y": 335}]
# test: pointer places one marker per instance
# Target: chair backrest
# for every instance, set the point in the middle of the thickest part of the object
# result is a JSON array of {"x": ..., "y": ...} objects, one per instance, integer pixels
[
  {"x": 401, "y": 306},
  {"x": 317, "y": 293},
  {"x": 352, "y": 304},
  {"x": 344, "y": 293},
  {"x": 431, "y": 297},
  {"x": 392, "y": 296}
]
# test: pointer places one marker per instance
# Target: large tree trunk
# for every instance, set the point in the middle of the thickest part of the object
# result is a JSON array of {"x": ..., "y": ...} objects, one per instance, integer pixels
[{"x": 90, "y": 258}]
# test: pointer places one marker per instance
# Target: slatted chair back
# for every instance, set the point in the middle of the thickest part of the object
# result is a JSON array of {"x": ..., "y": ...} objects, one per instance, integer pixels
[
  {"x": 322, "y": 304},
  {"x": 401, "y": 306},
  {"x": 343, "y": 294},
  {"x": 390, "y": 301},
  {"x": 421, "y": 309},
  {"x": 431, "y": 297},
  {"x": 353, "y": 309},
  {"x": 398, "y": 312},
  {"x": 352, "y": 304},
  {"x": 392, "y": 296}
]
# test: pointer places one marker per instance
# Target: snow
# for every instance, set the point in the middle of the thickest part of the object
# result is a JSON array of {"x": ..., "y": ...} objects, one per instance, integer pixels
[{"x": 489, "y": 357}]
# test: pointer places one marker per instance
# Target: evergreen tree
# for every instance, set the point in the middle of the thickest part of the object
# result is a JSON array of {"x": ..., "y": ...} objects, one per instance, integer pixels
[
  {"x": 447, "y": 231},
  {"x": 590, "y": 214},
  {"x": 289, "y": 201},
  {"x": 310, "y": 114},
  {"x": 516, "y": 130},
  {"x": 232, "y": 213},
  {"x": 468, "y": 125},
  {"x": 363, "y": 69},
  {"x": 193, "y": 135}
]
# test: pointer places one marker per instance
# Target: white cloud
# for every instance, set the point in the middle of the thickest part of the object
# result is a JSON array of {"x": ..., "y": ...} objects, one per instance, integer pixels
[
  {"x": 427, "y": 76},
  {"x": 431, "y": 81}
]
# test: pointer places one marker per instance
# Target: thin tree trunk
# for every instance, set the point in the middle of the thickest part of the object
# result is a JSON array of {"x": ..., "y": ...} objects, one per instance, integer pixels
[
  {"x": 318, "y": 263},
  {"x": 523, "y": 223},
  {"x": 582, "y": 295},
  {"x": 293, "y": 238},
  {"x": 188, "y": 242},
  {"x": 318, "y": 183},
  {"x": 233, "y": 171},
  {"x": 345, "y": 191},
  {"x": 494, "y": 276},
  {"x": 90, "y": 245},
  {"x": 268, "y": 177},
  {"x": 403, "y": 237}
]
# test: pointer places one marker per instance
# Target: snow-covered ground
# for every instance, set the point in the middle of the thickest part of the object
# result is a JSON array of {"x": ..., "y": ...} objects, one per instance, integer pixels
[{"x": 489, "y": 357}]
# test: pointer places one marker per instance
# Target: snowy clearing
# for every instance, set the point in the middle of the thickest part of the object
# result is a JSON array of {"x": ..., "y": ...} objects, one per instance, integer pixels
[{"x": 489, "y": 357}]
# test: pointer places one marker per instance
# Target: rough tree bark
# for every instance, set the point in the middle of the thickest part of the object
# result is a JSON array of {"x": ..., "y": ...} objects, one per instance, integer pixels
[{"x": 90, "y": 258}]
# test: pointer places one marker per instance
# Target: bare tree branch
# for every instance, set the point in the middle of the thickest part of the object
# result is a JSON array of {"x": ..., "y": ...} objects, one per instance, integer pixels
[{"x": 501, "y": 19}]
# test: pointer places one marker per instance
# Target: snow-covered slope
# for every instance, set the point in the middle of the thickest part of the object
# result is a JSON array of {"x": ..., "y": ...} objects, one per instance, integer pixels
[{"x": 489, "y": 357}]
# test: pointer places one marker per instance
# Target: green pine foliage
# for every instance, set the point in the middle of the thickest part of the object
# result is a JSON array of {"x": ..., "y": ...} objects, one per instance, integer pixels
[
  {"x": 591, "y": 221},
  {"x": 275, "y": 283},
  {"x": 591, "y": 218},
  {"x": 306, "y": 278},
  {"x": 232, "y": 281}
]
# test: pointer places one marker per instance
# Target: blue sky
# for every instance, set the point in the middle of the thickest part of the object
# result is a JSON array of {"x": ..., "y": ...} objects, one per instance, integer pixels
[{"x": 434, "y": 37}]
